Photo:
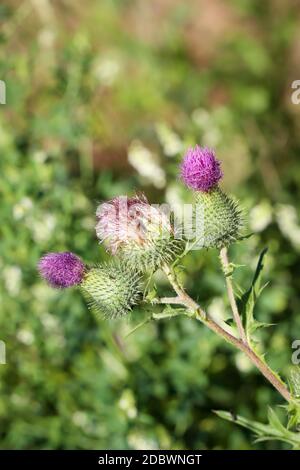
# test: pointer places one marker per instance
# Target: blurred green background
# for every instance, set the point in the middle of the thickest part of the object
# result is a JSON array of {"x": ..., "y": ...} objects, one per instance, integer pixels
[{"x": 103, "y": 97}]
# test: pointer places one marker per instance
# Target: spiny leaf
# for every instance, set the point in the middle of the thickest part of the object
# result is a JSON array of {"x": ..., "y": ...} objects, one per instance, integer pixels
[
  {"x": 150, "y": 295},
  {"x": 245, "y": 237},
  {"x": 249, "y": 298},
  {"x": 137, "y": 327},
  {"x": 258, "y": 428},
  {"x": 275, "y": 422},
  {"x": 294, "y": 415},
  {"x": 275, "y": 430},
  {"x": 169, "y": 312}
]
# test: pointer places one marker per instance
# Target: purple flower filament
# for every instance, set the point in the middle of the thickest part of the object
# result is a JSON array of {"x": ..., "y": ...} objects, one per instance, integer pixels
[
  {"x": 61, "y": 269},
  {"x": 200, "y": 170}
]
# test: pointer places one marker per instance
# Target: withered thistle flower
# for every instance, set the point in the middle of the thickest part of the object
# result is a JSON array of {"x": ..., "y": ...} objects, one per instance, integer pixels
[{"x": 139, "y": 232}]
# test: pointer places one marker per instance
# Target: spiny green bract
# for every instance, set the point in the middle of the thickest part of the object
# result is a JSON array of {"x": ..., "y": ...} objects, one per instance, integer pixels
[
  {"x": 112, "y": 289},
  {"x": 153, "y": 254},
  {"x": 218, "y": 218}
]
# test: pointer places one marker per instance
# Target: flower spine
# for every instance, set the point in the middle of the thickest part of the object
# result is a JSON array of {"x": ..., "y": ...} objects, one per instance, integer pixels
[{"x": 112, "y": 289}]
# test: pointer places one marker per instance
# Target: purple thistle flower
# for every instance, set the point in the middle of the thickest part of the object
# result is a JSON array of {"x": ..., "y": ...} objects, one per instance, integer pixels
[
  {"x": 61, "y": 269},
  {"x": 200, "y": 170}
]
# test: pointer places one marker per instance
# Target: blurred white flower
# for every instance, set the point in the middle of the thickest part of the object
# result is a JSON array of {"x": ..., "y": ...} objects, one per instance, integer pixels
[
  {"x": 49, "y": 321},
  {"x": 106, "y": 70},
  {"x": 40, "y": 156},
  {"x": 42, "y": 294},
  {"x": 127, "y": 404},
  {"x": 46, "y": 38},
  {"x": 201, "y": 117},
  {"x": 211, "y": 133},
  {"x": 22, "y": 208},
  {"x": 80, "y": 419},
  {"x": 19, "y": 400},
  {"x": 81, "y": 202},
  {"x": 87, "y": 223},
  {"x": 25, "y": 336},
  {"x": 42, "y": 229},
  {"x": 242, "y": 362},
  {"x": 145, "y": 163},
  {"x": 113, "y": 365},
  {"x": 260, "y": 216},
  {"x": 140, "y": 441},
  {"x": 218, "y": 312},
  {"x": 288, "y": 222},
  {"x": 173, "y": 196},
  {"x": 217, "y": 306},
  {"x": 12, "y": 276},
  {"x": 176, "y": 203},
  {"x": 170, "y": 141}
]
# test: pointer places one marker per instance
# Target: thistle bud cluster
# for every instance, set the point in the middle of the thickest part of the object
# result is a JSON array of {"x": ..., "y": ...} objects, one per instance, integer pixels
[{"x": 141, "y": 238}]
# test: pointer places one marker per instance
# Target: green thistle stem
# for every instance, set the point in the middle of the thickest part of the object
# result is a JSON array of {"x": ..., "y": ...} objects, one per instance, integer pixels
[
  {"x": 200, "y": 314},
  {"x": 235, "y": 313}
]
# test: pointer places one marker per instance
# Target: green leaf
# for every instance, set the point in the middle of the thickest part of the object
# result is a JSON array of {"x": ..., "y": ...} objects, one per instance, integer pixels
[
  {"x": 169, "y": 312},
  {"x": 140, "y": 325},
  {"x": 274, "y": 430},
  {"x": 294, "y": 415},
  {"x": 275, "y": 422},
  {"x": 245, "y": 237},
  {"x": 258, "y": 428},
  {"x": 151, "y": 295},
  {"x": 249, "y": 298}
]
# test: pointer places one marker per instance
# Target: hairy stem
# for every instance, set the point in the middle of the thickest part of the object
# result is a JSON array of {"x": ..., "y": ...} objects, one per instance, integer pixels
[
  {"x": 235, "y": 312},
  {"x": 201, "y": 315},
  {"x": 168, "y": 300}
]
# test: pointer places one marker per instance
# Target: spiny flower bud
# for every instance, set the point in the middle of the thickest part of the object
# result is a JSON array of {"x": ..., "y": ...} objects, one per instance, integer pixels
[
  {"x": 112, "y": 289},
  {"x": 219, "y": 218},
  {"x": 200, "y": 170},
  {"x": 138, "y": 231},
  {"x": 61, "y": 270}
]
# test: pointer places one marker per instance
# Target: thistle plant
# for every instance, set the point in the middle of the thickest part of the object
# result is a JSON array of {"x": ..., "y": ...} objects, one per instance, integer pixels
[{"x": 142, "y": 238}]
